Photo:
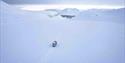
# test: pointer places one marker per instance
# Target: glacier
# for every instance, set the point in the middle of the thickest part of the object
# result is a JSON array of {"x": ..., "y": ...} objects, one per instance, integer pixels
[{"x": 92, "y": 36}]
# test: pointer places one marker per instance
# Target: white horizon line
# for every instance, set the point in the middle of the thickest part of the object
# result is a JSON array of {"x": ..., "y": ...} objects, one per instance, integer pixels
[{"x": 63, "y": 6}]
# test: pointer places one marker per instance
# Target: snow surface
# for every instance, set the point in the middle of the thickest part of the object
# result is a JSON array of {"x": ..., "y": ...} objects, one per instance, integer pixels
[{"x": 93, "y": 36}]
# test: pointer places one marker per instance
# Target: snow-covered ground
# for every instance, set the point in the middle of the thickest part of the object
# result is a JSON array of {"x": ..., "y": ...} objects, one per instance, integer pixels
[{"x": 92, "y": 36}]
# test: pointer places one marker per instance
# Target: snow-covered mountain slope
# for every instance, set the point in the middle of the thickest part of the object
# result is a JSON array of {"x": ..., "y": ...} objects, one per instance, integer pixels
[
  {"x": 91, "y": 14},
  {"x": 64, "y": 13},
  {"x": 19, "y": 29},
  {"x": 112, "y": 15},
  {"x": 10, "y": 14},
  {"x": 92, "y": 36}
]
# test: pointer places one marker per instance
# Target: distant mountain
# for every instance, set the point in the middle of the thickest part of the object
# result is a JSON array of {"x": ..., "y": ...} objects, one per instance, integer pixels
[
  {"x": 65, "y": 13},
  {"x": 69, "y": 13},
  {"x": 91, "y": 14},
  {"x": 52, "y": 12}
]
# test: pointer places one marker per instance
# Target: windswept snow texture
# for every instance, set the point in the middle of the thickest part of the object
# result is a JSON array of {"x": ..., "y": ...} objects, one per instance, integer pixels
[{"x": 93, "y": 36}]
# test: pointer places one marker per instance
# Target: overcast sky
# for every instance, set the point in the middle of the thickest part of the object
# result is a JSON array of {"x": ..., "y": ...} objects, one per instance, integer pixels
[{"x": 92, "y": 2}]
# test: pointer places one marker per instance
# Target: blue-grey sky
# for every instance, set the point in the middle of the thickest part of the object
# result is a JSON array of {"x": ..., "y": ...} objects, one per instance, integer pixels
[{"x": 97, "y": 2}]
